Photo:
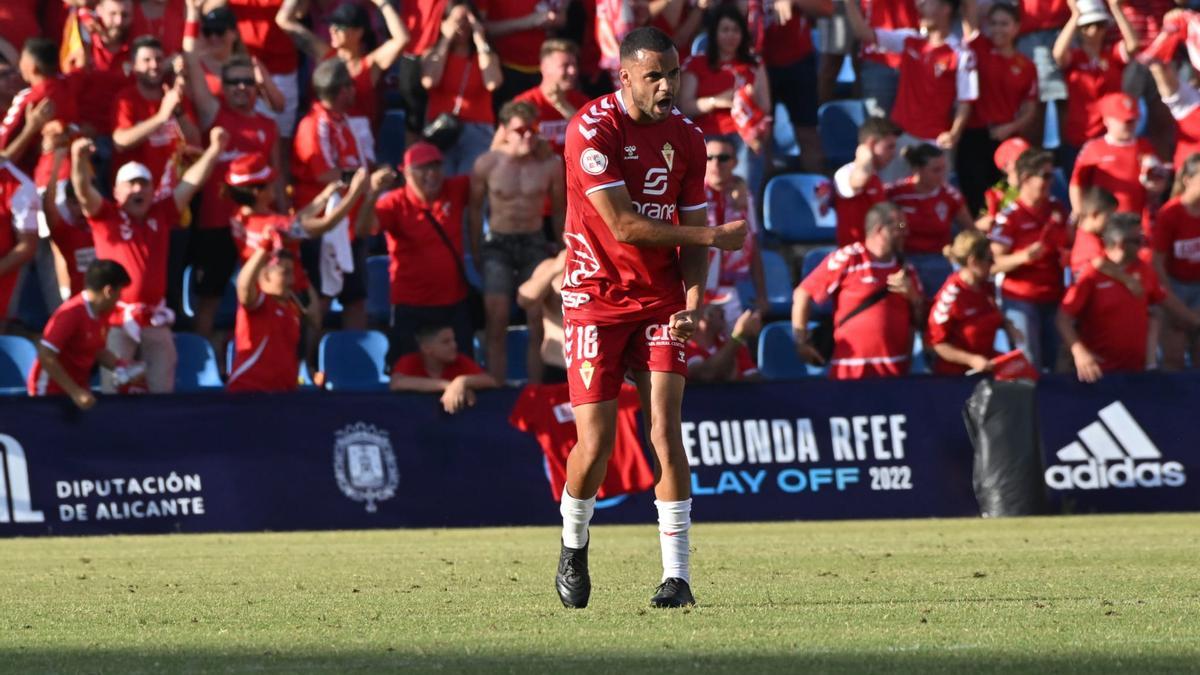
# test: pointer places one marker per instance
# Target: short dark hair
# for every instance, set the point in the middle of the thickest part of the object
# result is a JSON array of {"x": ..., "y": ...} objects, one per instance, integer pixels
[
  {"x": 44, "y": 54},
  {"x": 329, "y": 78},
  {"x": 1097, "y": 200},
  {"x": 1120, "y": 227},
  {"x": 235, "y": 62},
  {"x": 1031, "y": 161},
  {"x": 647, "y": 38},
  {"x": 522, "y": 109},
  {"x": 242, "y": 195},
  {"x": 877, "y": 127},
  {"x": 877, "y": 215},
  {"x": 921, "y": 154},
  {"x": 428, "y": 331},
  {"x": 144, "y": 42},
  {"x": 745, "y": 49},
  {"x": 101, "y": 273},
  {"x": 1006, "y": 8}
]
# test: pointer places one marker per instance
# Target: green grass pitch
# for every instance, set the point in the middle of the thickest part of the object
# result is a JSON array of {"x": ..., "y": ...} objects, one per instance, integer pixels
[{"x": 1045, "y": 595}]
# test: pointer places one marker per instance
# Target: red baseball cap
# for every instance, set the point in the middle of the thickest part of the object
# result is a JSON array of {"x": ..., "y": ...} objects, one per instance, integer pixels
[
  {"x": 422, "y": 153},
  {"x": 1009, "y": 151},
  {"x": 1120, "y": 106},
  {"x": 251, "y": 168}
]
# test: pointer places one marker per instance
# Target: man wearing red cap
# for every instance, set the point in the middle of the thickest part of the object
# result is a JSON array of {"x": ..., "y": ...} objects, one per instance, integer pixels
[
  {"x": 1119, "y": 161},
  {"x": 422, "y": 222},
  {"x": 134, "y": 229}
]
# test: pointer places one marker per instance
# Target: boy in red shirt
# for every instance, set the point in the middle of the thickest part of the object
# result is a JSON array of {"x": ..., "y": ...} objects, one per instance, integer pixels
[
  {"x": 267, "y": 331},
  {"x": 1119, "y": 161},
  {"x": 1095, "y": 207},
  {"x": 1106, "y": 317},
  {"x": 73, "y": 340},
  {"x": 438, "y": 367},
  {"x": 857, "y": 186}
]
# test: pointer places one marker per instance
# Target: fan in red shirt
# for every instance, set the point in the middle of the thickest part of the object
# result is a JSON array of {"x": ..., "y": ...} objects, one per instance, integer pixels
[
  {"x": 106, "y": 60},
  {"x": 964, "y": 318},
  {"x": 933, "y": 208},
  {"x": 425, "y": 268},
  {"x": 1105, "y": 316},
  {"x": 1176, "y": 248},
  {"x": 1092, "y": 70},
  {"x": 729, "y": 198},
  {"x": 877, "y": 302},
  {"x": 56, "y": 97},
  {"x": 19, "y": 208},
  {"x": 637, "y": 239},
  {"x": 857, "y": 186},
  {"x": 152, "y": 122},
  {"x": 349, "y": 25},
  {"x": 267, "y": 328},
  {"x": 938, "y": 80},
  {"x": 556, "y": 98},
  {"x": 135, "y": 229},
  {"x": 1006, "y": 106},
  {"x": 716, "y": 354},
  {"x": 1119, "y": 162},
  {"x": 1030, "y": 242},
  {"x": 438, "y": 367},
  {"x": 1183, "y": 100},
  {"x": 879, "y": 70},
  {"x": 74, "y": 338},
  {"x": 270, "y": 45},
  {"x": 69, "y": 230}
]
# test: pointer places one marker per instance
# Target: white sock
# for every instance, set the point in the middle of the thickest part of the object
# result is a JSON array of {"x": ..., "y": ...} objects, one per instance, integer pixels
[
  {"x": 674, "y": 521},
  {"x": 577, "y": 515}
]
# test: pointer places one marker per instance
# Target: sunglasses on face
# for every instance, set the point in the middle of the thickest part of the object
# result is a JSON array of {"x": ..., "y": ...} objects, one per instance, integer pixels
[
  {"x": 239, "y": 81},
  {"x": 721, "y": 158}
]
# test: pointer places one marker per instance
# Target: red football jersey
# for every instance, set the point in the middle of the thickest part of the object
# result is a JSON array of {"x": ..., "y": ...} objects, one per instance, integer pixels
[
  {"x": 878, "y": 341},
  {"x": 1096, "y": 300},
  {"x": 662, "y": 167},
  {"x": 743, "y": 363},
  {"x": 74, "y": 241},
  {"x": 247, "y": 133},
  {"x": 966, "y": 317},
  {"x": 1087, "y": 247},
  {"x": 544, "y": 410},
  {"x": 1043, "y": 15},
  {"x": 1185, "y": 108},
  {"x": 62, "y": 94},
  {"x": 19, "y": 208},
  {"x": 1116, "y": 167},
  {"x": 323, "y": 141},
  {"x": 266, "y": 337},
  {"x": 929, "y": 215},
  {"x": 414, "y": 366},
  {"x": 889, "y": 15},
  {"x": 852, "y": 206},
  {"x": 141, "y": 248},
  {"x": 551, "y": 124},
  {"x": 76, "y": 333},
  {"x": 722, "y": 208},
  {"x": 932, "y": 80},
  {"x": 1005, "y": 82},
  {"x": 249, "y": 229},
  {"x": 423, "y": 271},
  {"x": 263, "y": 37},
  {"x": 1018, "y": 227},
  {"x": 1088, "y": 80},
  {"x": 158, "y": 151},
  {"x": 1177, "y": 236}
]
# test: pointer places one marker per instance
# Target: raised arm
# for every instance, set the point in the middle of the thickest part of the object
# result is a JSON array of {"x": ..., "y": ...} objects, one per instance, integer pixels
[
  {"x": 546, "y": 18},
  {"x": 316, "y": 224},
  {"x": 1165, "y": 78},
  {"x": 36, "y": 119},
  {"x": 205, "y": 103},
  {"x": 386, "y": 54},
  {"x": 1128, "y": 36},
  {"x": 247, "y": 279},
  {"x": 489, "y": 63},
  {"x": 89, "y": 197},
  {"x": 1062, "y": 44},
  {"x": 133, "y": 136},
  {"x": 288, "y": 19},
  {"x": 198, "y": 173}
]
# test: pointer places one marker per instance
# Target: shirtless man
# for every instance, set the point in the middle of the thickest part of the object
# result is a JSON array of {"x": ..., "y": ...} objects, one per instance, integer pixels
[{"x": 516, "y": 177}]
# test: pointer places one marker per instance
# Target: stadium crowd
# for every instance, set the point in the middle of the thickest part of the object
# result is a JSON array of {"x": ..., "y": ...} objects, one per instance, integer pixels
[{"x": 156, "y": 153}]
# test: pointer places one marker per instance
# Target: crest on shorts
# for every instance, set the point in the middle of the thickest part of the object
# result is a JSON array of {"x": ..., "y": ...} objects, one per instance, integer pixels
[
  {"x": 668, "y": 154},
  {"x": 364, "y": 464},
  {"x": 586, "y": 370}
]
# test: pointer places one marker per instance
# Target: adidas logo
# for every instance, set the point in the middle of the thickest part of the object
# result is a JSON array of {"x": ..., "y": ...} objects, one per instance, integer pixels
[{"x": 1114, "y": 452}]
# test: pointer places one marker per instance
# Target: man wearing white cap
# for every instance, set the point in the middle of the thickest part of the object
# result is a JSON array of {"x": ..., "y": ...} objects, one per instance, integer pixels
[{"x": 134, "y": 230}]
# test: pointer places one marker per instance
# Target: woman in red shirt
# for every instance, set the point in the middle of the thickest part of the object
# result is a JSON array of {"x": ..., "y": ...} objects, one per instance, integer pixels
[
  {"x": 721, "y": 88},
  {"x": 348, "y": 28},
  {"x": 1176, "y": 244},
  {"x": 214, "y": 40},
  {"x": 1091, "y": 71},
  {"x": 964, "y": 319},
  {"x": 933, "y": 210},
  {"x": 460, "y": 73}
]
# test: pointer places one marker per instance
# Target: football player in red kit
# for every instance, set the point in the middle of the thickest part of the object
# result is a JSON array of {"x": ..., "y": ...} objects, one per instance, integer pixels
[{"x": 637, "y": 238}]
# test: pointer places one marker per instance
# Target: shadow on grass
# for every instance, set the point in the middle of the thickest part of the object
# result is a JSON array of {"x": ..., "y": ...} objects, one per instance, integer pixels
[{"x": 912, "y": 660}]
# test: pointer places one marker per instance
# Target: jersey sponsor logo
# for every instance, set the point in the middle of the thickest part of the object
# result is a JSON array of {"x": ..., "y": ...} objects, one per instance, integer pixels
[
  {"x": 581, "y": 260},
  {"x": 659, "y": 335},
  {"x": 593, "y": 162},
  {"x": 631, "y": 152},
  {"x": 364, "y": 464},
  {"x": 14, "y": 484},
  {"x": 1113, "y": 452},
  {"x": 655, "y": 210},
  {"x": 573, "y": 300},
  {"x": 655, "y": 182}
]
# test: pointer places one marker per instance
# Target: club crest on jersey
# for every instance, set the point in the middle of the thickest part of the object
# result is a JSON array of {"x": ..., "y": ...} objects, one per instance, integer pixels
[
  {"x": 364, "y": 464},
  {"x": 593, "y": 162},
  {"x": 586, "y": 370},
  {"x": 668, "y": 154},
  {"x": 942, "y": 210}
]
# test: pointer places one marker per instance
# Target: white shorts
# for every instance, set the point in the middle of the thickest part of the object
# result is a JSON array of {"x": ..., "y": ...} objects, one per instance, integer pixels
[{"x": 289, "y": 86}]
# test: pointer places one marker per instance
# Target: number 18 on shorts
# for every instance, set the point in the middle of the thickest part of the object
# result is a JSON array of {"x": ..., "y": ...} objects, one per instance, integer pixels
[{"x": 597, "y": 357}]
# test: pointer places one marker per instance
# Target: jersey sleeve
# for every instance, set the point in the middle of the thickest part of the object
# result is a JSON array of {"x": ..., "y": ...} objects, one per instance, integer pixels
[
  {"x": 822, "y": 283},
  {"x": 841, "y": 182},
  {"x": 966, "y": 76},
  {"x": 59, "y": 329},
  {"x": 1077, "y": 296},
  {"x": 594, "y": 147},
  {"x": 14, "y": 119},
  {"x": 941, "y": 315},
  {"x": 1081, "y": 175},
  {"x": 692, "y": 196},
  {"x": 125, "y": 115}
]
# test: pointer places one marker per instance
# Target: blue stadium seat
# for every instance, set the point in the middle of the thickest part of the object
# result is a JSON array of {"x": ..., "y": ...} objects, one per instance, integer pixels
[
  {"x": 389, "y": 141},
  {"x": 16, "y": 360},
  {"x": 197, "y": 368},
  {"x": 812, "y": 258},
  {"x": 798, "y": 208},
  {"x": 379, "y": 289},
  {"x": 777, "y": 358},
  {"x": 353, "y": 360},
  {"x": 1059, "y": 187},
  {"x": 920, "y": 360},
  {"x": 779, "y": 284},
  {"x": 838, "y": 123},
  {"x": 226, "y": 312},
  {"x": 699, "y": 44}
]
